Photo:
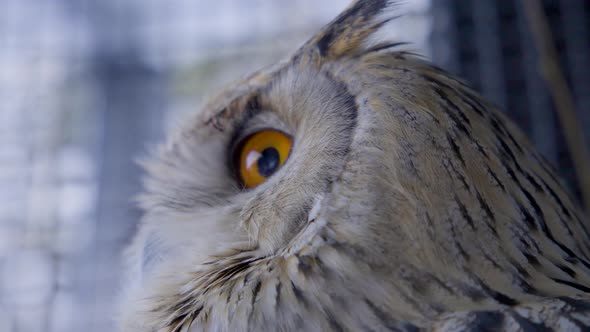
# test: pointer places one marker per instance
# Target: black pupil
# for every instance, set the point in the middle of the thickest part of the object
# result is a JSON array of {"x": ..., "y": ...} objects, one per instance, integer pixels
[{"x": 268, "y": 162}]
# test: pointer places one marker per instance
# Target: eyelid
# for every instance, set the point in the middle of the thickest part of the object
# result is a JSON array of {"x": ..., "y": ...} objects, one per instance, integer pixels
[{"x": 261, "y": 121}]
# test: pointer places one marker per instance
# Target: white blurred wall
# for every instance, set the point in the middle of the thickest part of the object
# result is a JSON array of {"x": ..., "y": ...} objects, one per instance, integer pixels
[{"x": 60, "y": 237}]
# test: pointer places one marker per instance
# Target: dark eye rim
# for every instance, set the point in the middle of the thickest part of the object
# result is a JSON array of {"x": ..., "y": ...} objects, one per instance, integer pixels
[{"x": 237, "y": 148}]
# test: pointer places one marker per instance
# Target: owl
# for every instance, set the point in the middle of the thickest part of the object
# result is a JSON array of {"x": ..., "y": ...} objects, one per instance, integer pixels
[{"x": 354, "y": 187}]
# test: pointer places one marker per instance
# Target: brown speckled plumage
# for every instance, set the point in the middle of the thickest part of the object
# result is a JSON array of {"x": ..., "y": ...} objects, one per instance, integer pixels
[{"x": 408, "y": 203}]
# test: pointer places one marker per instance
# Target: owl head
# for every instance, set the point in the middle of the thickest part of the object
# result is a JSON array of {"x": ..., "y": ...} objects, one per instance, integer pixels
[{"x": 349, "y": 182}]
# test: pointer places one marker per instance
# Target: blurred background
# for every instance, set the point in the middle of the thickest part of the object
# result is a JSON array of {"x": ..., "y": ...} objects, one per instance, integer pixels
[{"x": 87, "y": 86}]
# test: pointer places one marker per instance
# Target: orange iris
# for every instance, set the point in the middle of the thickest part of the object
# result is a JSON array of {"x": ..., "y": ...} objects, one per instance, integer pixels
[{"x": 262, "y": 154}]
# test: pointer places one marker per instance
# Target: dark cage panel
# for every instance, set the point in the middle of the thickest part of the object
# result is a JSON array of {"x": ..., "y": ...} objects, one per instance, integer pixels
[{"x": 489, "y": 43}]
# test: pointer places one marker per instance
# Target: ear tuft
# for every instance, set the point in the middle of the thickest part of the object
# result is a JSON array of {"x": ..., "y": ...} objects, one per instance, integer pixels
[{"x": 347, "y": 32}]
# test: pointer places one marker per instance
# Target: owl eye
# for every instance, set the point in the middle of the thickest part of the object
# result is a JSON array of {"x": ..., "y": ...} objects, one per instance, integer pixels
[{"x": 260, "y": 155}]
